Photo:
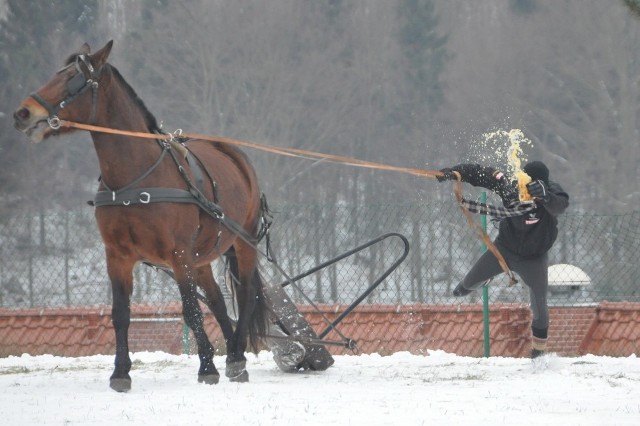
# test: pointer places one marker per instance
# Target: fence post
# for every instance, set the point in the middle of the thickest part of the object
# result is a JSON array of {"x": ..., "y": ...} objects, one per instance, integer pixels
[
  {"x": 485, "y": 289},
  {"x": 31, "y": 248},
  {"x": 67, "y": 251},
  {"x": 185, "y": 339}
]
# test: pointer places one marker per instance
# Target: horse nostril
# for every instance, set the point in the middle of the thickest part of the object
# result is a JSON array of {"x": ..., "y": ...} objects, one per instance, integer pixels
[{"x": 23, "y": 113}]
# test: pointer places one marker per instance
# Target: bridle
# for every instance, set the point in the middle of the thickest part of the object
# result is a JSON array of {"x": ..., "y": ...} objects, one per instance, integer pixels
[{"x": 76, "y": 86}]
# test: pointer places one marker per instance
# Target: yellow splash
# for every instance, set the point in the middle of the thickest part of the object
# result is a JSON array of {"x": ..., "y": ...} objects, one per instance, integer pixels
[
  {"x": 515, "y": 156},
  {"x": 523, "y": 193}
]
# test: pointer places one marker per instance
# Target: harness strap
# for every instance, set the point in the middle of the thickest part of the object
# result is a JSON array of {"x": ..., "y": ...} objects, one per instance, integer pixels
[
  {"x": 52, "y": 110},
  {"x": 140, "y": 178},
  {"x": 143, "y": 196},
  {"x": 196, "y": 170}
]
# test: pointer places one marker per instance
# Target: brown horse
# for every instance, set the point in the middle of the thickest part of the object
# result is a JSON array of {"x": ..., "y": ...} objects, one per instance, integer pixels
[{"x": 161, "y": 204}]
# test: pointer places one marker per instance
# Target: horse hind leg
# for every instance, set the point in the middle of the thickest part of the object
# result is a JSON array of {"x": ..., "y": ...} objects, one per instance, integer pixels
[
  {"x": 193, "y": 317},
  {"x": 236, "y": 361},
  {"x": 251, "y": 311}
]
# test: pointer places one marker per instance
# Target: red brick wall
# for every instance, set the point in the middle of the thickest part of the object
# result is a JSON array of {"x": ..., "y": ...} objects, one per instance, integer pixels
[
  {"x": 606, "y": 329},
  {"x": 460, "y": 328},
  {"x": 615, "y": 330}
]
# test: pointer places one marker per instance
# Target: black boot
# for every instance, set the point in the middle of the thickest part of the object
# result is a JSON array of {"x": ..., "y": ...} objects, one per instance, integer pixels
[{"x": 461, "y": 290}]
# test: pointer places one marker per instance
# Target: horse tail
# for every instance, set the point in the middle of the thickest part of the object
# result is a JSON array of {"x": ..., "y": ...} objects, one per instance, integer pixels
[
  {"x": 260, "y": 316},
  {"x": 257, "y": 324}
]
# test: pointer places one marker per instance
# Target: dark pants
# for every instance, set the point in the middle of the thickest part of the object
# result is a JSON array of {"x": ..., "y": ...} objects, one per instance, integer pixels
[{"x": 532, "y": 270}]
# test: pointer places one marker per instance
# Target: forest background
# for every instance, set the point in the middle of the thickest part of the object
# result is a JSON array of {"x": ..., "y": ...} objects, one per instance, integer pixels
[{"x": 414, "y": 83}]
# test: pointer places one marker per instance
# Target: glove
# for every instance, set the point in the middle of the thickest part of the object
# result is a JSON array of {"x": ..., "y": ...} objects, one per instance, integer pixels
[
  {"x": 447, "y": 174},
  {"x": 537, "y": 189}
]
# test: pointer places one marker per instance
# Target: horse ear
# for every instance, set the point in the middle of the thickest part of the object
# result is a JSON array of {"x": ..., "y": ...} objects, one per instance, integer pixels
[
  {"x": 85, "y": 49},
  {"x": 100, "y": 57}
]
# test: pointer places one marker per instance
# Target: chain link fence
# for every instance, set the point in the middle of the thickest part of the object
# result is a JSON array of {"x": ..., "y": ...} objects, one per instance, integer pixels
[{"x": 57, "y": 260}]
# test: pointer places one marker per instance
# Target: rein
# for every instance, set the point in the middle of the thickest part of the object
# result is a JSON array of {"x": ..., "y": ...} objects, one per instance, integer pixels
[
  {"x": 300, "y": 153},
  {"x": 291, "y": 152}
]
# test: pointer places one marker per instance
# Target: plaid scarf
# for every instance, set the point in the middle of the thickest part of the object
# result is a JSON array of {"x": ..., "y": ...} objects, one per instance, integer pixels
[{"x": 498, "y": 212}]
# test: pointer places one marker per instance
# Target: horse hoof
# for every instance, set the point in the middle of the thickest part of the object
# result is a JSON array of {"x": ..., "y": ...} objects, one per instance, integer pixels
[
  {"x": 209, "y": 379},
  {"x": 236, "y": 372},
  {"x": 243, "y": 377},
  {"x": 120, "y": 384}
]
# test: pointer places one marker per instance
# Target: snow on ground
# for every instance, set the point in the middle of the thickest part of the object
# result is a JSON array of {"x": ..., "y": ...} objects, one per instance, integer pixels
[{"x": 402, "y": 389}]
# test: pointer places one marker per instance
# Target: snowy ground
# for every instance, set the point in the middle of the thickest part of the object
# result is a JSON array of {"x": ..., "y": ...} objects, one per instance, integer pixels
[{"x": 403, "y": 389}]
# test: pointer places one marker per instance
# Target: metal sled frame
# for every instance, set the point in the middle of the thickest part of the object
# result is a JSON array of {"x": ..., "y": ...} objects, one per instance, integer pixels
[
  {"x": 295, "y": 344},
  {"x": 349, "y": 343}
]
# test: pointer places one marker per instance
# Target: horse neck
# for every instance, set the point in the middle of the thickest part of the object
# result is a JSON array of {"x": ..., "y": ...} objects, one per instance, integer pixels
[{"x": 122, "y": 158}]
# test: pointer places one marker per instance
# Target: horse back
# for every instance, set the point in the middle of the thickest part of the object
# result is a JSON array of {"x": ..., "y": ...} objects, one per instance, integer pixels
[{"x": 230, "y": 180}]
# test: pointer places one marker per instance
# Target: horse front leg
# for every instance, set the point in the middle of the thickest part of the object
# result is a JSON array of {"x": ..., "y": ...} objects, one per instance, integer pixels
[
  {"x": 121, "y": 287},
  {"x": 193, "y": 317}
]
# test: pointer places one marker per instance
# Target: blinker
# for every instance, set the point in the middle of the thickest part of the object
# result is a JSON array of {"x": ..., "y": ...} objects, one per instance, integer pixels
[{"x": 76, "y": 83}]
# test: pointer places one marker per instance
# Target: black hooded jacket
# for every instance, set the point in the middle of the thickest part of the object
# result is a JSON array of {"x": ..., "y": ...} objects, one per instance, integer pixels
[{"x": 531, "y": 234}]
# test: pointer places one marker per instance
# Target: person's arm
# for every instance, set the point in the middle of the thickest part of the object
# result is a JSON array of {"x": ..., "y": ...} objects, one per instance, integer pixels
[
  {"x": 554, "y": 199},
  {"x": 558, "y": 200},
  {"x": 477, "y": 175}
]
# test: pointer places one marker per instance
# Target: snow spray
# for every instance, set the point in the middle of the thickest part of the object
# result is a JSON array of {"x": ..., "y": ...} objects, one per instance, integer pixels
[{"x": 514, "y": 155}]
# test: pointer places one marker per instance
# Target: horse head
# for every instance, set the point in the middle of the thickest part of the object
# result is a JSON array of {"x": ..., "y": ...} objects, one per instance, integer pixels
[{"x": 69, "y": 95}]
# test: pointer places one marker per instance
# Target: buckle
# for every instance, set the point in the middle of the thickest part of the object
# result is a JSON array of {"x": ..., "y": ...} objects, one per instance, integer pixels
[
  {"x": 54, "y": 122},
  {"x": 145, "y": 198}
]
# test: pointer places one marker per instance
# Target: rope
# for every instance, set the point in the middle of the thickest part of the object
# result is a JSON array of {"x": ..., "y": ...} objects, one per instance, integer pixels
[
  {"x": 339, "y": 159},
  {"x": 482, "y": 234},
  {"x": 291, "y": 152}
]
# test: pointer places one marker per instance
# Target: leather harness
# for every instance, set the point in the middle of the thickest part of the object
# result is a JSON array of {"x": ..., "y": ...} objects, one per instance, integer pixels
[{"x": 129, "y": 195}]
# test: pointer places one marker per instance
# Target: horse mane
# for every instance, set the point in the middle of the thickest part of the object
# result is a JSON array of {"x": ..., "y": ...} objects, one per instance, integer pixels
[{"x": 149, "y": 118}]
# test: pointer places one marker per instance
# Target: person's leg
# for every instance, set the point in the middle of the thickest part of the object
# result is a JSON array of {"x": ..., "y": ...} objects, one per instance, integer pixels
[
  {"x": 486, "y": 267},
  {"x": 534, "y": 272}
]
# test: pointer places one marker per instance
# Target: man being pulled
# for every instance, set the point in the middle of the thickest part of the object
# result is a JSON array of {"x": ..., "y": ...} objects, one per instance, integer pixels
[{"x": 523, "y": 239}]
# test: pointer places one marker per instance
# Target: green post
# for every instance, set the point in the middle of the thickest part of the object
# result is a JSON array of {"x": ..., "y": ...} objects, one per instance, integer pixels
[
  {"x": 185, "y": 339},
  {"x": 485, "y": 289}
]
